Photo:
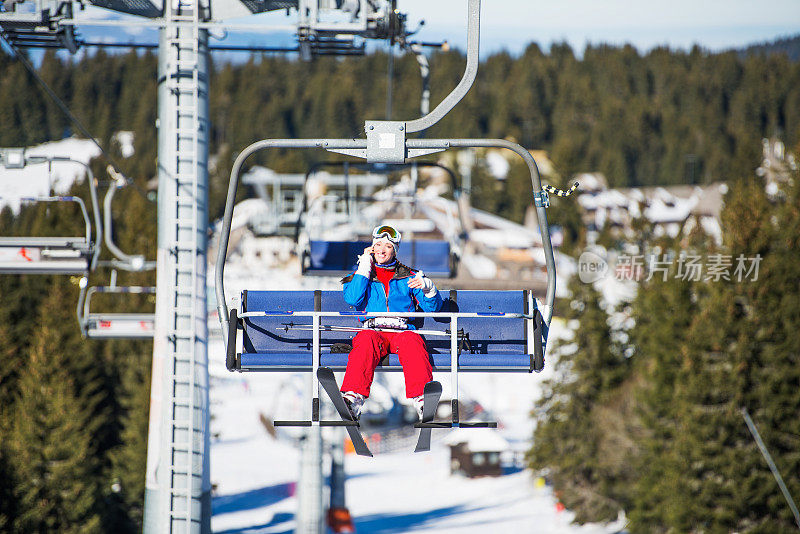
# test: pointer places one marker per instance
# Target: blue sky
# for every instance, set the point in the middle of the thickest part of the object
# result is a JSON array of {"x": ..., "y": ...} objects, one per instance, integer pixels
[{"x": 511, "y": 24}]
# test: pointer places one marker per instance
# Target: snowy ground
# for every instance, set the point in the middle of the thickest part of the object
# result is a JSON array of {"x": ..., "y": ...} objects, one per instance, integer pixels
[
  {"x": 40, "y": 179},
  {"x": 256, "y": 475}
]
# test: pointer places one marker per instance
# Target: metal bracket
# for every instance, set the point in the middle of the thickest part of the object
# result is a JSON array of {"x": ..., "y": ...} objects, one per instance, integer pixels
[
  {"x": 386, "y": 141},
  {"x": 541, "y": 199},
  {"x": 12, "y": 158}
]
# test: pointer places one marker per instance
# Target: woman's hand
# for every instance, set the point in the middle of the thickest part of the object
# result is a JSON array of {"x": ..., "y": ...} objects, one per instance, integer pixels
[
  {"x": 365, "y": 262},
  {"x": 420, "y": 281}
]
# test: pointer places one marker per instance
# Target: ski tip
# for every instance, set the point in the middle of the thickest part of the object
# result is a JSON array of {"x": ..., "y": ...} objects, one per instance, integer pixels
[
  {"x": 433, "y": 385},
  {"x": 324, "y": 371},
  {"x": 363, "y": 451}
]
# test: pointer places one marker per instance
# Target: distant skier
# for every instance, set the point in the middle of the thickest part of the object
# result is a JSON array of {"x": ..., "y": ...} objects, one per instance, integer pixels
[{"x": 381, "y": 283}]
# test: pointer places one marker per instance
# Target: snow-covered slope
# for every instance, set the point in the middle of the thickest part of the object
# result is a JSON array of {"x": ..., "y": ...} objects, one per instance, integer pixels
[{"x": 39, "y": 179}]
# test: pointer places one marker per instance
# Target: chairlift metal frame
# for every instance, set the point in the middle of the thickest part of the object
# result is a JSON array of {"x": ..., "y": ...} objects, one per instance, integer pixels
[
  {"x": 49, "y": 255},
  {"x": 114, "y": 325},
  {"x": 386, "y": 142},
  {"x": 127, "y": 262},
  {"x": 53, "y": 255}
]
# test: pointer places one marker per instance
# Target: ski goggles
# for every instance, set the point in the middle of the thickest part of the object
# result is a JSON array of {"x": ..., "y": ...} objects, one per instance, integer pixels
[{"x": 386, "y": 231}]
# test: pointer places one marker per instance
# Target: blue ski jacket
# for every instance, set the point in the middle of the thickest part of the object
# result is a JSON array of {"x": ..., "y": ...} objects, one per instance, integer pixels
[{"x": 369, "y": 294}]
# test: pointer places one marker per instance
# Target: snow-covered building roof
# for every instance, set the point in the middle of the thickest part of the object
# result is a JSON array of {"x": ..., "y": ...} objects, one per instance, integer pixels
[
  {"x": 478, "y": 439},
  {"x": 668, "y": 208},
  {"x": 592, "y": 181}
]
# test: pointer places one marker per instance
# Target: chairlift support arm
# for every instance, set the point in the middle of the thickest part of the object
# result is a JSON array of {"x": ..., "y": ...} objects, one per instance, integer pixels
[
  {"x": 126, "y": 261},
  {"x": 470, "y": 73}
]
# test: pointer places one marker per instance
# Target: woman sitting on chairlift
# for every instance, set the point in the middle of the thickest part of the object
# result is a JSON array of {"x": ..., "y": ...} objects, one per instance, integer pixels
[{"x": 381, "y": 283}]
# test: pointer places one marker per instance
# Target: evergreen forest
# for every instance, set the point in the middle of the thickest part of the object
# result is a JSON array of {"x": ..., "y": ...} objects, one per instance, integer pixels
[{"x": 644, "y": 418}]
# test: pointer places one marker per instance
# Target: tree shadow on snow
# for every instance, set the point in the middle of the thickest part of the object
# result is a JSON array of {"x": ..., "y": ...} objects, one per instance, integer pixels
[
  {"x": 398, "y": 523},
  {"x": 249, "y": 500},
  {"x": 281, "y": 517}
]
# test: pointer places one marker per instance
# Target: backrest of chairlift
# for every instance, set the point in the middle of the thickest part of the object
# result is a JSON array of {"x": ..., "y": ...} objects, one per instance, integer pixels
[
  {"x": 49, "y": 255},
  {"x": 116, "y": 325}
]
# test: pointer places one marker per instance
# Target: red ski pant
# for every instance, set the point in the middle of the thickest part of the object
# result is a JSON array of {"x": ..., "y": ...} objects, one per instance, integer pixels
[{"x": 369, "y": 346}]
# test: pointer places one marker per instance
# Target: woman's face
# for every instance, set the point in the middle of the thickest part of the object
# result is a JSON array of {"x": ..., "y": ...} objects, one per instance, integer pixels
[{"x": 383, "y": 251}]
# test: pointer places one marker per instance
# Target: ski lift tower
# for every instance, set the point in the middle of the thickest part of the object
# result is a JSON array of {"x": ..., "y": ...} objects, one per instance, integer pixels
[{"x": 178, "y": 488}]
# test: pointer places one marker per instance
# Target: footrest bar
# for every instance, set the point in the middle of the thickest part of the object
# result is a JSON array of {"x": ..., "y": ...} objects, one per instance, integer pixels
[
  {"x": 481, "y": 424},
  {"x": 321, "y": 423},
  {"x": 433, "y": 425}
]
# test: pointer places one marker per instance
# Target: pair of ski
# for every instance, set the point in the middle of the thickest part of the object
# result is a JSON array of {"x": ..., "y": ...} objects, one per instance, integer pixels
[{"x": 431, "y": 395}]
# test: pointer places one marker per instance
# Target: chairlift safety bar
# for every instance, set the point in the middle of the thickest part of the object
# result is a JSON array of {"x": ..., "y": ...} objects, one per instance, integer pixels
[
  {"x": 455, "y": 336},
  {"x": 448, "y": 315}
]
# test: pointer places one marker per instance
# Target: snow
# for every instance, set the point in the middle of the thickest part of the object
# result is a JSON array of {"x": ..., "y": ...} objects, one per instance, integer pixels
[
  {"x": 125, "y": 140},
  {"x": 590, "y": 181},
  {"x": 478, "y": 439},
  {"x": 479, "y": 266},
  {"x": 243, "y": 212},
  {"x": 667, "y": 208},
  {"x": 497, "y": 164},
  {"x": 711, "y": 226},
  {"x": 39, "y": 179},
  {"x": 496, "y": 238}
]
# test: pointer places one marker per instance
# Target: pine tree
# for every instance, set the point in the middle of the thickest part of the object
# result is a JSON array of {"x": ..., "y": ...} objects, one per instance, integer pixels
[
  {"x": 51, "y": 440},
  {"x": 663, "y": 312},
  {"x": 580, "y": 436},
  {"x": 741, "y": 352},
  {"x": 129, "y": 459},
  {"x": 7, "y": 479}
]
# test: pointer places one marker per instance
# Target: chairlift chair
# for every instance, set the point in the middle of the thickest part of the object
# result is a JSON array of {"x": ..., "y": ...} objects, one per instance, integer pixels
[
  {"x": 96, "y": 325},
  {"x": 320, "y": 257},
  {"x": 387, "y": 143},
  {"x": 50, "y": 255}
]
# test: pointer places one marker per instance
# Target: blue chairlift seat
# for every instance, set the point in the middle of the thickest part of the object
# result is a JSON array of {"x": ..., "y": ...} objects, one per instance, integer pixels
[
  {"x": 338, "y": 258},
  {"x": 284, "y": 342}
]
